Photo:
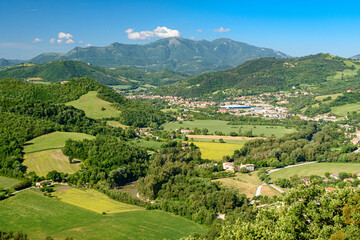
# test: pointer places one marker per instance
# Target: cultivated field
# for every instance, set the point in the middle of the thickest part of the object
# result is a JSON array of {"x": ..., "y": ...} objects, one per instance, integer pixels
[
  {"x": 116, "y": 124},
  {"x": 227, "y": 139},
  {"x": 53, "y": 140},
  {"x": 247, "y": 184},
  {"x": 39, "y": 216},
  {"x": 6, "y": 183},
  {"x": 92, "y": 200},
  {"x": 148, "y": 144},
  {"x": 216, "y": 151},
  {"x": 92, "y": 106},
  {"x": 45, "y": 161},
  {"x": 222, "y": 126},
  {"x": 316, "y": 169},
  {"x": 343, "y": 110}
]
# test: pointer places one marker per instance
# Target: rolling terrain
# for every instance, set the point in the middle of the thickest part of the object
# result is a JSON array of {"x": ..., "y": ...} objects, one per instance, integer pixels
[
  {"x": 176, "y": 54},
  {"x": 321, "y": 73},
  {"x": 63, "y": 70}
]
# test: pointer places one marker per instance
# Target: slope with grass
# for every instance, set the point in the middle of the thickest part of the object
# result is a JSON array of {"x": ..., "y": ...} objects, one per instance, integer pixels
[
  {"x": 6, "y": 182},
  {"x": 216, "y": 151},
  {"x": 344, "y": 109},
  {"x": 53, "y": 140},
  {"x": 39, "y": 216},
  {"x": 316, "y": 169},
  {"x": 94, "y": 107},
  {"x": 222, "y": 126},
  {"x": 46, "y": 161},
  {"x": 247, "y": 184},
  {"x": 92, "y": 200}
]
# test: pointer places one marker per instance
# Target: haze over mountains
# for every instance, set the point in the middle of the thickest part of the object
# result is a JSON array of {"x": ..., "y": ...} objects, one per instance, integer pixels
[{"x": 176, "y": 54}]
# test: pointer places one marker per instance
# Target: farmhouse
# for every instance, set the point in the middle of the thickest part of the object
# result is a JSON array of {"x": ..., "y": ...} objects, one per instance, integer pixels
[
  {"x": 249, "y": 167},
  {"x": 307, "y": 181}
]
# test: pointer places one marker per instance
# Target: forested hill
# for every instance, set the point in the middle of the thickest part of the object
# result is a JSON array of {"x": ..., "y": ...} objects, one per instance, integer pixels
[
  {"x": 7, "y": 62},
  {"x": 321, "y": 71},
  {"x": 177, "y": 54},
  {"x": 63, "y": 70}
]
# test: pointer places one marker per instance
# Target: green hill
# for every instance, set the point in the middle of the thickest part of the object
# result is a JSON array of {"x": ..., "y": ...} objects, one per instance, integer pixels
[
  {"x": 176, "y": 54},
  {"x": 321, "y": 72},
  {"x": 6, "y": 62},
  {"x": 63, "y": 70}
]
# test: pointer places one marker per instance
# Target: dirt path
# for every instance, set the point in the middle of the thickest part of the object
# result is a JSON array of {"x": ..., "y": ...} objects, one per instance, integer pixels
[
  {"x": 289, "y": 166},
  {"x": 258, "y": 190},
  {"x": 223, "y": 137}
]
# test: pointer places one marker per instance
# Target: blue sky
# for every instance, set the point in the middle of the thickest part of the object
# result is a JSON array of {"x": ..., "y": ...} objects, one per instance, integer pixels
[{"x": 297, "y": 28}]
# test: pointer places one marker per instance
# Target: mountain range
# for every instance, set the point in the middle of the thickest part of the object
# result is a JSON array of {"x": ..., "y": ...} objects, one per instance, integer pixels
[
  {"x": 356, "y": 57},
  {"x": 176, "y": 54},
  {"x": 321, "y": 72}
]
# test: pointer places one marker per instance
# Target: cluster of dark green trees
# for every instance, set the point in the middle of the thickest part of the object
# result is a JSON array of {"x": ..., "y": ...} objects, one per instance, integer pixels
[{"x": 315, "y": 142}]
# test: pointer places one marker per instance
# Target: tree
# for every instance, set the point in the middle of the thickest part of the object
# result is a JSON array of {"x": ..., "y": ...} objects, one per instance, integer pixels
[{"x": 221, "y": 140}]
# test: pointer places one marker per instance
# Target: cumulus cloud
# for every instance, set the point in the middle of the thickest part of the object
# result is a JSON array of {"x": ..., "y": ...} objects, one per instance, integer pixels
[
  {"x": 88, "y": 45},
  {"x": 199, "y": 30},
  {"x": 162, "y": 32},
  {"x": 37, "y": 40},
  {"x": 62, "y": 35},
  {"x": 222, "y": 30},
  {"x": 63, "y": 38},
  {"x": 69, "y": 41}
]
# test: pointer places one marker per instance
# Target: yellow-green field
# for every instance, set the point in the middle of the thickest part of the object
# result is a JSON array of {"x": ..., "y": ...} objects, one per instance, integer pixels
[
  {"x": 116, "y": 124},
  {"x": 53, "y": 140},
  {"x": 333, "y": 96},
  {"x": 92, "y": 106},
  {"x": 216, "y": 151},
  {"x": 316, "y": 169},
  {"x": 343, "y": 110},
  {"x": 45, "y": 161},
  {"x": 93, "y": 200},
  {"x": 347, "y": 72}
]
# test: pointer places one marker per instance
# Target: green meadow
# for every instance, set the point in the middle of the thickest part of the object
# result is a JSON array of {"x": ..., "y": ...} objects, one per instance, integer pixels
[
  {"x": 6, "y": 182},
  {"x": 222, "y": 126},
  {"x": 94, "y": 107},
  {"x": 343, "y": 110},
  {"x": 316, "y": 169},
  {"x": 39, "y": 216},
  {"x": 53, "y": 140}
]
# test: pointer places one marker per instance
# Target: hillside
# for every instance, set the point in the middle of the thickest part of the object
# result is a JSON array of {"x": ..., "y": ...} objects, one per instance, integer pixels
[
  {"x": 63, "y": 70},
  {"x": 321, "y": 72},
  {"x": 356, "y": 57},
  {"x": 176, "y": 54},
  {"x": 7, "y": 62}
]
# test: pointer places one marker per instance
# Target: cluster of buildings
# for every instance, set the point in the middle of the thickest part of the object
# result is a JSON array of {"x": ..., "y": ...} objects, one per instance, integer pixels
[{"x": 231, "y": 167}]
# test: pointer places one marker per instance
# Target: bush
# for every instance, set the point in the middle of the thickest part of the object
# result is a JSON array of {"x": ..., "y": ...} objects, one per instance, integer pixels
[
  {"x": 22, "y": 185},
  {"x": 243, "y": 170}
]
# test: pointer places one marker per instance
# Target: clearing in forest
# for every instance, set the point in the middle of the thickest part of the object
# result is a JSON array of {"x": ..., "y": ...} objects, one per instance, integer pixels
[
  {"x": 94, "y": 107},
  {"x": 46, "y": 161},
  {"x": 216, "y": 151}
]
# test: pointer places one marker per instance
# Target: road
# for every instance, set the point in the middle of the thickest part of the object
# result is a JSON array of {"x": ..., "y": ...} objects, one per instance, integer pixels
[
  {"x": 258, "y": 190},
  {"x": 289, "y": 166},
  {"x": 276, "y": 188}
]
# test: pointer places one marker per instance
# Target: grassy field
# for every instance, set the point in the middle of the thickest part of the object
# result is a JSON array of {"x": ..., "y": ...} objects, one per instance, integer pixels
[
  {"x": 48, "y": 160},
  {"x": 347, "y": 72},
  {"x": 343, "y": 110},
  {"x": 238, "y": 142},
  {"x": 53, "y": 140},
  {"x": 247, "y": 184},
  {"x": 92, "y": 106},
  {"x": 218, "y": 125},
  {"x": 216, "y": 151},
  {"x": 6, "y": 183},
  {"x": 116, "y": 124},
  {"x": 316, "y": 169},
  {"x": 92, "y": 200},
  {"x": 333, "y": 96},
  {"x": 148, "y": 144},
  {"x": 39, "y": 216}
]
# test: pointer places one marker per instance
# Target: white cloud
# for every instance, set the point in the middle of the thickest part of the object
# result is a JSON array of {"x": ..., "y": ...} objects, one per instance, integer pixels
[
  {"x": 192, "y": 37},
  {"x": 162, "y": 32},
  {"x": 37, "y": 40},
  {"x": 81, "y": 41},
  {"x": 222, "y": 30},
  {"x": 52, "y": 40},
  {"x": 62, "y": 35},
  {"x": 59, "y": 41},
  {"x": 199, "y": 30},
  {"x": 88, "y": 45},
  {"x": 69, "y": 41}
]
